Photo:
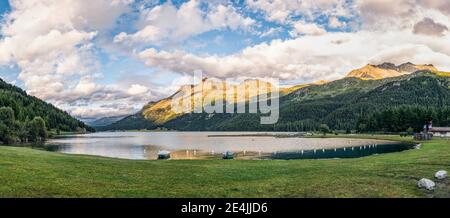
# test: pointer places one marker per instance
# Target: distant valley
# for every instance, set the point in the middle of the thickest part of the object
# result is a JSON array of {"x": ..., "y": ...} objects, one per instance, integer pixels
[{"x": 104, "y": 121}]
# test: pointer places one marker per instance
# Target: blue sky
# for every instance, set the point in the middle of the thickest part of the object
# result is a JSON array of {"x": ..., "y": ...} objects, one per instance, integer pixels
[
  {"x": 4, "y": 6},
  {"x": 106, "y": 58}
]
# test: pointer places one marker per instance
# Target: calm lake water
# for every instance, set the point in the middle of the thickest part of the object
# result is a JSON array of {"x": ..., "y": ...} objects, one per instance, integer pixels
[{"x": 204, "y": 145}]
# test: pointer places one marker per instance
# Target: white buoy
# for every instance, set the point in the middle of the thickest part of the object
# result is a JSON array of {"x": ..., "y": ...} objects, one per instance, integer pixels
[
  {"x": 353, "y": 148},
  {"x": 344, "y": 148},
  {"x": 195, "y": 152},
  {"x": 244, "y": 152},
  {"x": 314, "y": 151},
  {"x": 335, "y": 150},
  {"x": 302, "y": 152},
  {"x": 323, "y": 150}
]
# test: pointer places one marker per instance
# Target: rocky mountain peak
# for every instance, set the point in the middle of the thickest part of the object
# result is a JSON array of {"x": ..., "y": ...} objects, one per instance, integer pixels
[{"x": 387, "y": 70}]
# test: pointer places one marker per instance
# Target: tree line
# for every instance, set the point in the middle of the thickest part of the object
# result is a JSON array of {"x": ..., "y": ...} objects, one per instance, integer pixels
[
  {"x": 403, "y": 119},
  {"x": 14, "y": 131}
]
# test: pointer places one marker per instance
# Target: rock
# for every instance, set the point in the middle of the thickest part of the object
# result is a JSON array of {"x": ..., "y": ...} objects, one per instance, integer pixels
[
  {"x": 426, "y": 184},
  {"x": 418, "y": 146},
  {"x": 163, "y": 155},
  {"x": 441, "y": 174}
]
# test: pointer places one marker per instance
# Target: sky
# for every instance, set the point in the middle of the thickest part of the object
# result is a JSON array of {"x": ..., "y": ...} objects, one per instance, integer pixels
[{"x": 97, "y": 58}]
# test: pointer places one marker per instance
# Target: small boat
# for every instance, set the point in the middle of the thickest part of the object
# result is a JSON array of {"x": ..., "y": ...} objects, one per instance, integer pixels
[
  {"x": 163, "y": 155},
  {"x": 228, "y": 155}
]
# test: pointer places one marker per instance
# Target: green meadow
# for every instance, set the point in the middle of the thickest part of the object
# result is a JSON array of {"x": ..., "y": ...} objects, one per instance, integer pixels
[{"x": 26, "y": 172}]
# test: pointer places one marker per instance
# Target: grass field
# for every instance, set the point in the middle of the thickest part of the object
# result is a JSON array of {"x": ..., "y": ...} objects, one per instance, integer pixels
[{"x": 26, "y": 172}]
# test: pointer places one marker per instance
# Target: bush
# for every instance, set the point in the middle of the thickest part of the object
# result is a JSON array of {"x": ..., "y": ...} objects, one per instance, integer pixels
[
  {"x": 410, "y": 131},
  {"x": 37, "y": 130},
  {"x": 324, "y": 129}
]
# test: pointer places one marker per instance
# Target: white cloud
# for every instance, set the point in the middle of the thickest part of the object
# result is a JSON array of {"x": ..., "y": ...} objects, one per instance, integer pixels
[
  {"x": 309, "y": 58},
  {"x": 52, "y": 42},
  {"x": 302, "y": 28},
  {"x": 105, "y": 100},
  {"x": 106, "y": 110},
  {"x": 334, "y": 22},
  {"x": 86, "y": 87},
  {"x": 137, "y": 89},
  {"x": 167, "y": 23},
  {"x": 400, "y": 14},
  {"x": 282, "y": 11},
  {"x": 271, "y": 32},
  {"x": 442, "y": 6}
]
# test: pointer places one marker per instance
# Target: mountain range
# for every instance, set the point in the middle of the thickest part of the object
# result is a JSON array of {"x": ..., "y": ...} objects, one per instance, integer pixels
[
  {"x": 339, "y": 104},
  {"x": 104, "y": 121},
  {"x": 386, "y": 70}
]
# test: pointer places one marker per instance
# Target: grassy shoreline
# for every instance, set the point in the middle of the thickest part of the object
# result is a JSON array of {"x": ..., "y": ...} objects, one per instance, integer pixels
[{"x": 25, "y": 172}]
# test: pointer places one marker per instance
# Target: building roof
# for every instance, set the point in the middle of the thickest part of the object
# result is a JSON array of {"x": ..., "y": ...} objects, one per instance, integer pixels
[{"x": 440, "y": 129}]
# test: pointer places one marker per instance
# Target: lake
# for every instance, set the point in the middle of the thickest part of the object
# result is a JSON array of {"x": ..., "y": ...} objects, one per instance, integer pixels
[{"x": 210, "y": 145}]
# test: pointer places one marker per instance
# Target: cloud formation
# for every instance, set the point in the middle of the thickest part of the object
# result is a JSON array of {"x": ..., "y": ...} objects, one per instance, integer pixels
[
  {"x": 282, "y": 11},
  {"x": 325, "y": 56},
  {"x": 53, "y": 44},
  {"x": 302, "y": 28},
  {"x": 427, "y": 26},
  {"x": 167, "y": 23},
  {"x": 60, "y": 46}
]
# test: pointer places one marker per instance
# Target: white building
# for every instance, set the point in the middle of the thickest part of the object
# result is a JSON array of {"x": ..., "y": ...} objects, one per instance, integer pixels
[{"x": 440, "y": 131}]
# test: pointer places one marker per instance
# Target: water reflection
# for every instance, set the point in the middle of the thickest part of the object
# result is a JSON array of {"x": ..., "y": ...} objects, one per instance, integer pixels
[{"x": 198, "y": 145}]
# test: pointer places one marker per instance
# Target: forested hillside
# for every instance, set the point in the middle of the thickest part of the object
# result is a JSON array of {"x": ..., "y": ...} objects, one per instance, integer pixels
[{"x": 22, "y": 115}]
